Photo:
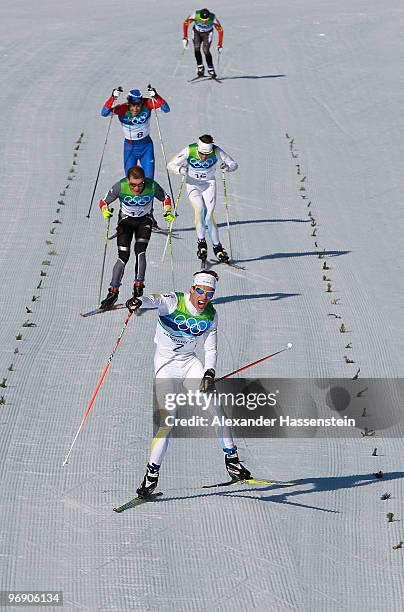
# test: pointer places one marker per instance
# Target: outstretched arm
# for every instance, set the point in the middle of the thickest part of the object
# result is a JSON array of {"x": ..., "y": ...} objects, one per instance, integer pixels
[{"x": 166, "y": 303}]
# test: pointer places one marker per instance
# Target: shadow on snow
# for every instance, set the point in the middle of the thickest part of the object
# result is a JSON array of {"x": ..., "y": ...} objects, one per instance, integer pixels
[{"x": 255, "y": 296}]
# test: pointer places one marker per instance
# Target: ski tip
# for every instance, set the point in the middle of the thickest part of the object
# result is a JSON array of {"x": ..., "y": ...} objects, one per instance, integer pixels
[{"x": 137, "y": 501}]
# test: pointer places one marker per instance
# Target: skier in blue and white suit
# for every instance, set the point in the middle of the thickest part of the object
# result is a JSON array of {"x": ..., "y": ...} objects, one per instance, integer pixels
[{"x": 134, "y": 117}]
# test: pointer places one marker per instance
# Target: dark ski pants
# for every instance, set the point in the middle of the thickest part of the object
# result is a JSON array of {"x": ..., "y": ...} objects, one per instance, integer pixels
[
  {"x": 204, "y": 40},
  {"x": 141, "y": 228}
]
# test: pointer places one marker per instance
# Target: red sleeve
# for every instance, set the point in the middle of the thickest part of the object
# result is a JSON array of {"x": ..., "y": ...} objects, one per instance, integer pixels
[
  {"x": 158, "y": 101},
  {"x": 220, "y": 33},
  {"x": 185, "y": 26},
  {"x": 119, "y": 109}
]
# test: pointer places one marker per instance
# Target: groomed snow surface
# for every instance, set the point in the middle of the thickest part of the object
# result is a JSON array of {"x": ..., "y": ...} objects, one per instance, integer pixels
[{"x": 330, "y": 77}]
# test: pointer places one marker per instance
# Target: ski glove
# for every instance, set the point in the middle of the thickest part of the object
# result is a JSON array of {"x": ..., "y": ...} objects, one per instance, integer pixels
[
  {"x": 152, "y": 91},
  {"x": 219, "y": 49},
  {"x": 117, "y": 92},
  {"x": 107, "y": 214},
  {"x": 168, "y": 216},
  {"x": 183, "y": 170},
  {"x": 185, "y": 43},
  {"x": 208, "y": 382},
  {"x": 227, "y": 168},
  {"x": 133, "y": 304}
]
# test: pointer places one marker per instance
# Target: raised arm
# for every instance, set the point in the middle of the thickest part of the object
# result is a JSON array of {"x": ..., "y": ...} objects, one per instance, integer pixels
[
  {"x": 107, "y": 108},
  {"x": 159, "y": 102}
]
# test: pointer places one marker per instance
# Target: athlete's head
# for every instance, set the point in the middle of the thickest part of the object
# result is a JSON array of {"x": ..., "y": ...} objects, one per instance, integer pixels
[
  {"x": 135, "y": 100},
  {"x": 205, "y": 14},
  {"x": 205, "y": 145},
  {"x": 136, "y": 179},
  {"x": 203, "y": 288}
]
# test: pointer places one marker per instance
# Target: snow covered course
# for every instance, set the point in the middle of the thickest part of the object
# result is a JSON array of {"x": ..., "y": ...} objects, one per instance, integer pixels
[{"x": 311, "y": 108}]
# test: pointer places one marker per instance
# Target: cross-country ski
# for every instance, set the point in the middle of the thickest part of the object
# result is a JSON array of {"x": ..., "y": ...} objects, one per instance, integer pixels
[{"x": 249, "y": 481}]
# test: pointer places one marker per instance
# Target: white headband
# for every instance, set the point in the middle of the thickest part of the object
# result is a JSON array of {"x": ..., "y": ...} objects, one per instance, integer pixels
[
  {"x": 205, "y": 279},
  {"x": 205, "y": 147}
]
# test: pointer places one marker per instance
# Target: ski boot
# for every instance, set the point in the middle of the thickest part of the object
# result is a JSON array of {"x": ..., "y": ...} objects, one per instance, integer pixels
[
  {"x": 220, "y": 253},
  {"x": 201, "y": 71},
  {"x": 138, "y": 287},
  {"x": 202, "y": 251},
  {"x": 212, "y": 73},
  {"x": 111, "y": 298},
  {"x": 150, "y": 480},
  {"x": 235, "y": 469}
]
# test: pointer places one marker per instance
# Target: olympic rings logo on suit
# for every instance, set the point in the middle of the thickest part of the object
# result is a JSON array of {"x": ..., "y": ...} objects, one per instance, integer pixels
[
  {"x": 192, "y": 325},
  {"x": 138, "y": 201},
  {"x": 207, "y": 163},
  {"x": 203, "y": 27},
  {"x": 138, "y": 120}
]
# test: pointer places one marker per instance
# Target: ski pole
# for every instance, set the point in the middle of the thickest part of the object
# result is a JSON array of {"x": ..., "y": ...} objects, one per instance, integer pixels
[
  {"x": 170, "y": 225},
  {"x": 179, "y": 62},
  {"x": 218, "y": 60},
  {"x": 103, "y": 261},
  {"x": 253, "y": 363},
  {"x": 161, "y": 142},
  {"x": 227, "y": 211},
  {"x": 99, "y": 167},
  {"x": 169, "y": 237},
  {"x": 105, "y": 370}
]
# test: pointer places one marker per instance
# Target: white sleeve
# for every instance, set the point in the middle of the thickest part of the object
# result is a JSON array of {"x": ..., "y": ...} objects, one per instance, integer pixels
[
  {"x": 226, "y": 159},
  {"x": 179, "y": 160},
  {"x": 165, "y": 302},
  {"x": 210, "y": 346}
]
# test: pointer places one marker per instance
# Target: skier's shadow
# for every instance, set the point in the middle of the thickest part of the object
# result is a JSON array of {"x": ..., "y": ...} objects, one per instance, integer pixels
[
  {"x": 298, "y": 254},
  {"x": 253, "y": 76},
  {"x": 319, "y": 485},
  {"x": 247, "y": 222},
  {"x": 255, "y": 296}
]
